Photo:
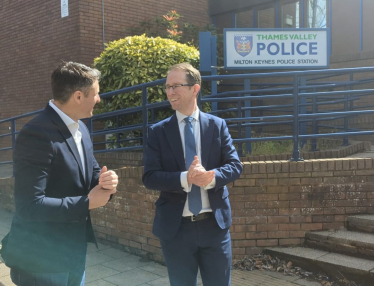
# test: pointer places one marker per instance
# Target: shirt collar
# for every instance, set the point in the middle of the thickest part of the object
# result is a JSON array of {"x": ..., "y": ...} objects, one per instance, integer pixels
[
  {"x": 70, "y": 123},
  {"x": 181, "y": 116}
]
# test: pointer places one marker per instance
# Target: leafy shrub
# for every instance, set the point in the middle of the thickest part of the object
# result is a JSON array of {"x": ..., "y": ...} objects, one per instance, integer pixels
[
  {"x": 139, "y": 59},
  {"x": 131, "y": 61}
]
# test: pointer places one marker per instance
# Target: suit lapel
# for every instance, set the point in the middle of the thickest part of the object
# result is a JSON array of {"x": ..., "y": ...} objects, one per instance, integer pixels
[
  {"x": 171, "y": 130},
  {"x": 86, "y": 143},
  {"x": 206, "y": 135},
  {"x": 65, "y": 132}
]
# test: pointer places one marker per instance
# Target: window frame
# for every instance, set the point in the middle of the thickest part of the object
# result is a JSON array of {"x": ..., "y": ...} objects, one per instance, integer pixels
[{"x": 277, "y": 5}]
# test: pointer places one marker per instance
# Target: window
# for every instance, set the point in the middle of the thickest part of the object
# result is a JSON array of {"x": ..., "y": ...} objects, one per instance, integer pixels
[
  {"x": 244, "y": 19},
  {"x": 317, "y": 13},
  {"x": 290, "y": 15},
  {"x": 266, "y": 18},
  {"x": 281, "y": 14},
  {"x": 223, "y": 21}
]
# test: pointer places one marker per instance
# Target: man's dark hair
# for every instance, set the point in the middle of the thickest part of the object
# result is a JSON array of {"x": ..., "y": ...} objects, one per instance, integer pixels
[
  {"x": 192, "y": 75},
  {"x": 70, "y": 77}
]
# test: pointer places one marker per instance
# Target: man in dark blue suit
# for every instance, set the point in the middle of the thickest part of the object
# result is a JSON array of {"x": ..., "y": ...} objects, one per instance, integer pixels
[
  {"x": 193, "y": 213},
  {"x": 57, "y": 182}
]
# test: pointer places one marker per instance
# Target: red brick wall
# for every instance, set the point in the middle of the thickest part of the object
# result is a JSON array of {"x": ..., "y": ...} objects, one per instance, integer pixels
[
  {"x": 34, "y": 40},
  {"x": 120, "y": 15},
  {"x": 117, "y": 160},
  {"x": 273, "y": 203}
]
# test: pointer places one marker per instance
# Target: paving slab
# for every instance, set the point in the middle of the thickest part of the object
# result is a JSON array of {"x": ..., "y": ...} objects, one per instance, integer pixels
[
  {"x": 99, "y": 283},
  {"x": 127, "y": 263},
  {"x": 257, "y": 278},
  {"x": 95, "y": 258},
  {"x": 98, "y": 272},
  {"x": 107, "y": 266},
  {"x": 156, "y": 269},
  {"x": 132, "y": 278},
  {"x": 114, "y": 253},
  {"x": 163, "y": 281},
  {"x": 91, "y": 247},
  {"x": 281, "y": 276}
]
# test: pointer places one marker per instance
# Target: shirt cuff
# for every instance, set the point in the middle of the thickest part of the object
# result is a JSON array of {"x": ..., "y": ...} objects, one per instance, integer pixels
[
  {"x": 184, "y": 183},
  {"x": 211, "y": 185}
]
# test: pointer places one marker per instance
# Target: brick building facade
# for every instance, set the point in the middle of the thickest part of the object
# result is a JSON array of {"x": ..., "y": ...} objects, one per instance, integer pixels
[
  {"x": 350, "y": 21},
  {"x": 35, "y": 38}
]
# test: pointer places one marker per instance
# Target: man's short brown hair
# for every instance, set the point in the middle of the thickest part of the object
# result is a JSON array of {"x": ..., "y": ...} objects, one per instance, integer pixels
[
  {"x": 70, "y": 77},
  {"x": 192, "y": 75}
]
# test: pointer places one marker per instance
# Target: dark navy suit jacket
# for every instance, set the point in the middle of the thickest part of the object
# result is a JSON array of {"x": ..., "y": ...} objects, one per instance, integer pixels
[
  {"x": 164, "y": 162},
  {"x": 51, "y": 225}
]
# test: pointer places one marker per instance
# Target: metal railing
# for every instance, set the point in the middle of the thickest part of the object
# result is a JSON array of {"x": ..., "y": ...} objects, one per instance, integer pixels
[{"x": 307, "y": 100}]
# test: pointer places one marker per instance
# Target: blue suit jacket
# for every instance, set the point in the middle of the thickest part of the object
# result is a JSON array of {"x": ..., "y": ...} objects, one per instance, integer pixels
[
  {"x": 164, "y": 162},
  {"x": 51, "y": 225}
]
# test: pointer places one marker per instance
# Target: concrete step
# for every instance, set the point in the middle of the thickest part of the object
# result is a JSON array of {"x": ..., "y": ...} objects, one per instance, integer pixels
[
  {"x": 353, "y": 243},
  {"x": 333, "y": 264},
  {"x": 363, "y": 223}
]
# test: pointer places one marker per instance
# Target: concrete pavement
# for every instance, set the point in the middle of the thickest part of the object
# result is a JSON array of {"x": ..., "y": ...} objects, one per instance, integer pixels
[{"x": 107, "y": 266}]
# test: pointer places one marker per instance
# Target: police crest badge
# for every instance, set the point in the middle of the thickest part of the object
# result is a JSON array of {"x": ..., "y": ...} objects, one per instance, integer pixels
[{"x": 243, "y": 44}]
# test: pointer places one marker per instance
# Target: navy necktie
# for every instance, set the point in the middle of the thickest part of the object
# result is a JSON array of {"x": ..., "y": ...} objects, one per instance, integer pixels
[{"x": 194, "y": 197}]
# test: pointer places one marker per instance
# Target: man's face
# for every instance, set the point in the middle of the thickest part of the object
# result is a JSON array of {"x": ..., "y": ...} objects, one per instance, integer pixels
[
  {"x": 88, "y": 102},
  {"x": 182, "y": 98}
]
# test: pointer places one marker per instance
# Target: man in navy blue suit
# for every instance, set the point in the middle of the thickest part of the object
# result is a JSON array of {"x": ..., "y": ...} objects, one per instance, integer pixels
[
  {"x": 190, "y": 159},
  {"x": 57, "y": 182}
]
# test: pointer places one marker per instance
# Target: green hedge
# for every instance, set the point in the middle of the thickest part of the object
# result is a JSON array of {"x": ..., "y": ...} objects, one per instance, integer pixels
[{"x": 139, "y": 59}]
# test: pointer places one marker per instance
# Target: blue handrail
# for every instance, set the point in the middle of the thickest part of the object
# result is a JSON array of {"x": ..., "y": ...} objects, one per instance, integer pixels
[{"x": 300, "y": 99}]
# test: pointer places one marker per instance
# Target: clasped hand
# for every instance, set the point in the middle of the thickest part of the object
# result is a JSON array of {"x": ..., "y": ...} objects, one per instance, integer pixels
[
  {"x": 100, "y": 195},
  {"x": 197, "y": 174},
  {"x": 108, "y": 179}
]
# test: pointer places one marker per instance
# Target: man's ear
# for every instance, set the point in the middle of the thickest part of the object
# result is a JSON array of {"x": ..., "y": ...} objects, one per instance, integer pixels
[
  {"x": 196, "y": 89},
  {"x": 77, "y": 96}
]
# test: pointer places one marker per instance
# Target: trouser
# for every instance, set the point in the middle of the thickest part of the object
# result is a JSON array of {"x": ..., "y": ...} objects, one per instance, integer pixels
[{"x": 199, "y": 245}]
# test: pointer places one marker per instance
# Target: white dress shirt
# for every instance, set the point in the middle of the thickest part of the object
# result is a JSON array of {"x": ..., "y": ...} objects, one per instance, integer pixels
[
  {"x": 74, "y": 130},
  {"x": 187, "y": 187}
]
